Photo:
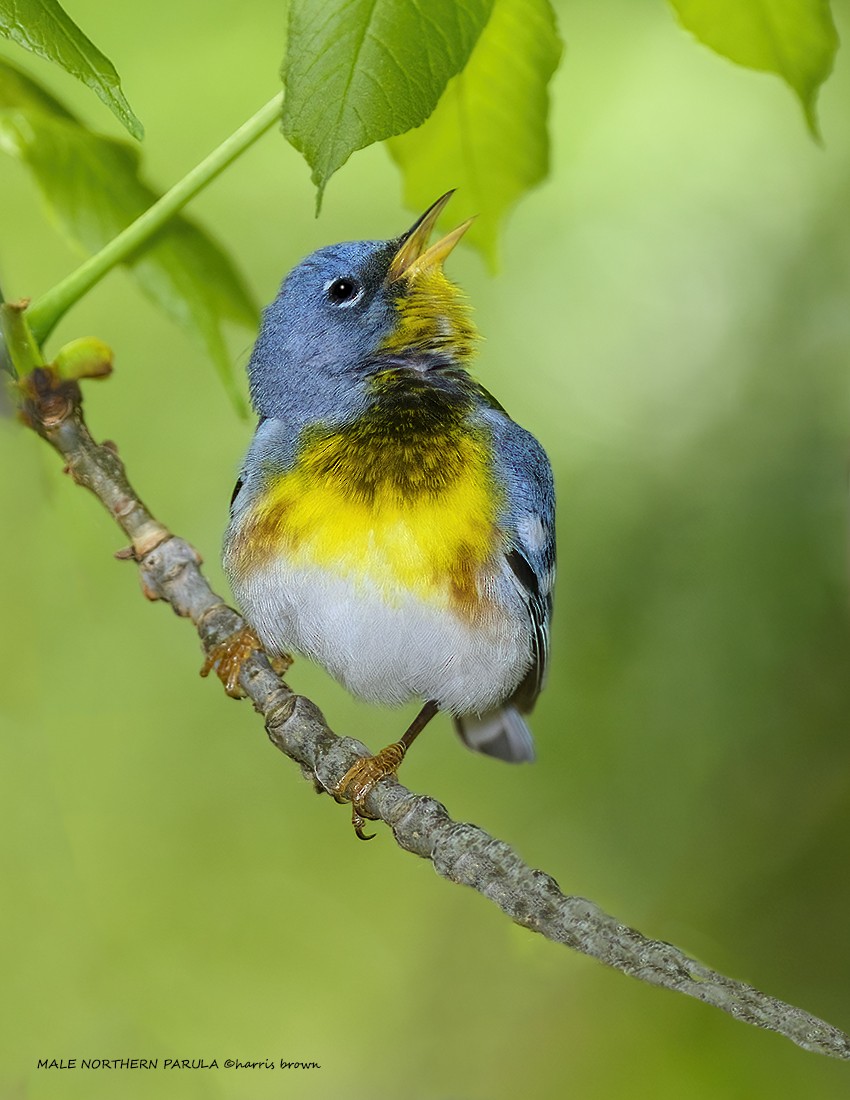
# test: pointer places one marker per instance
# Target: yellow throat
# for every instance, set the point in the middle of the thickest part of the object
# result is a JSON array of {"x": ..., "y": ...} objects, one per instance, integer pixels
[{"x": 434, "y": 317}]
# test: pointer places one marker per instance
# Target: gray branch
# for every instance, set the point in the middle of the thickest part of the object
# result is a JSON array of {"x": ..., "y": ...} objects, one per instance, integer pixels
[{"x": 463, "y": 853}]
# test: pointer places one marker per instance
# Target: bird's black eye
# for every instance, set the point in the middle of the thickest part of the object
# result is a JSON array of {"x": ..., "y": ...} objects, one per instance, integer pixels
[{"x": 344, "y": 291}]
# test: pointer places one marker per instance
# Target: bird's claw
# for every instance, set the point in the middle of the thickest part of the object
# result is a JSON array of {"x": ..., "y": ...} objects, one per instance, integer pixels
[
  {"x": 357, "y": 783},
  {"x": 228, "y": 657}
]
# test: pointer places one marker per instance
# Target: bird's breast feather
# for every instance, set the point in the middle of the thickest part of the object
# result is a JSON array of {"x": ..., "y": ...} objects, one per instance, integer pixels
[{"x": 408, "y": 515}]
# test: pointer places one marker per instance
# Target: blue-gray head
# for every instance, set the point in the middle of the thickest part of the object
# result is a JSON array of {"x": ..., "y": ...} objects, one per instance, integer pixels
[{"x": 348, "y": 310}]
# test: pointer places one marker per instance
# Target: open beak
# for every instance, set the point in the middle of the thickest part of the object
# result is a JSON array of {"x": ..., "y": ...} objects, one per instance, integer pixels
[{"x": 414, "y": 255}]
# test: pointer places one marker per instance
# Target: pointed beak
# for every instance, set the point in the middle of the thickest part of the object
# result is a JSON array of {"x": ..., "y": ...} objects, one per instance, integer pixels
[{"x": 413, "y": 254}]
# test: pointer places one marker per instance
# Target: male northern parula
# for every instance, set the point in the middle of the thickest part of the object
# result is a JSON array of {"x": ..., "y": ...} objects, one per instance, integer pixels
[{"x": 391, "y": 521}]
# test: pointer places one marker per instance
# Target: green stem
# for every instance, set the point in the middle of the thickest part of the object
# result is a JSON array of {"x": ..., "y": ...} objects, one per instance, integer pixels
[
  {"x": 50, "y": 307},
  {"x": 21, "y": 353}
]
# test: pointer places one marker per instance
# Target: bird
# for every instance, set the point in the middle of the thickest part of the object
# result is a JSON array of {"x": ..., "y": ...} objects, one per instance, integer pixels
[{"x": 390, "y": 521}]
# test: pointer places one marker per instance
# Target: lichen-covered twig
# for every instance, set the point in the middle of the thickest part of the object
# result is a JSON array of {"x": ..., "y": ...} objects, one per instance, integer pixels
[{"x": 171, "y": 570}]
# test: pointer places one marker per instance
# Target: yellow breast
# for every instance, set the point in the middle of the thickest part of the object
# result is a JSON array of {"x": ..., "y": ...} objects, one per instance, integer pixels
[{"x": 405, "y": 517}]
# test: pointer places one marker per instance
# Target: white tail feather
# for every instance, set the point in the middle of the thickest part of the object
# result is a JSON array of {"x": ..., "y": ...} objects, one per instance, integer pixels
[{"x": 501, "y": 733}]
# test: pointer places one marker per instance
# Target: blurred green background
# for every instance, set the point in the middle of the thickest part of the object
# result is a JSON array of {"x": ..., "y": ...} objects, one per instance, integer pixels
[{"x": 673, "y": 321}]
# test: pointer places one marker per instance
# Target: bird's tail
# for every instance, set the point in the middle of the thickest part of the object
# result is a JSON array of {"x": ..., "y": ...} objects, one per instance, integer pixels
[{"x": 501, "y": 732}]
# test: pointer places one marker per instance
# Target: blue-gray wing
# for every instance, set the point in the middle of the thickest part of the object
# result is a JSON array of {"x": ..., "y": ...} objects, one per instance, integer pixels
[
  {"x": 528, "y": 524},
  {"x": 272, "y": 448}
]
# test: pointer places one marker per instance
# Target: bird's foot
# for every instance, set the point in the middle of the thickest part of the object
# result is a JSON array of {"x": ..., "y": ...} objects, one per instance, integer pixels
[
  {"x": 229, "y": 656},
  {"x": 357, "y": 783}
]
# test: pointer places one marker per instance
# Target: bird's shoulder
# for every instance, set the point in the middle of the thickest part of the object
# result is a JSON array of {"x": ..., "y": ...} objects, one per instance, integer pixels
[
  {"x": 272, "y": 452},
  {"x": 521, "y": 466}
]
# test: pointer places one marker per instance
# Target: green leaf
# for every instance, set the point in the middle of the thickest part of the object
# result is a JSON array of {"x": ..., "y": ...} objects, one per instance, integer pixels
[
  {"x": 359, "y": 71},
  {"x": 488, "y": 136},
  {"x": 92, "y": 187},
  {"x": 44, "y": 28},
  {"x": 18, "y": 90},
  {"x": 795, "y": 39}
]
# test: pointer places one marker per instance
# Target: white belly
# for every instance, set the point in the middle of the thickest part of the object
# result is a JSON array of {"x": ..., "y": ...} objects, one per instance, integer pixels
[{"x": 386, "y": 650}]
